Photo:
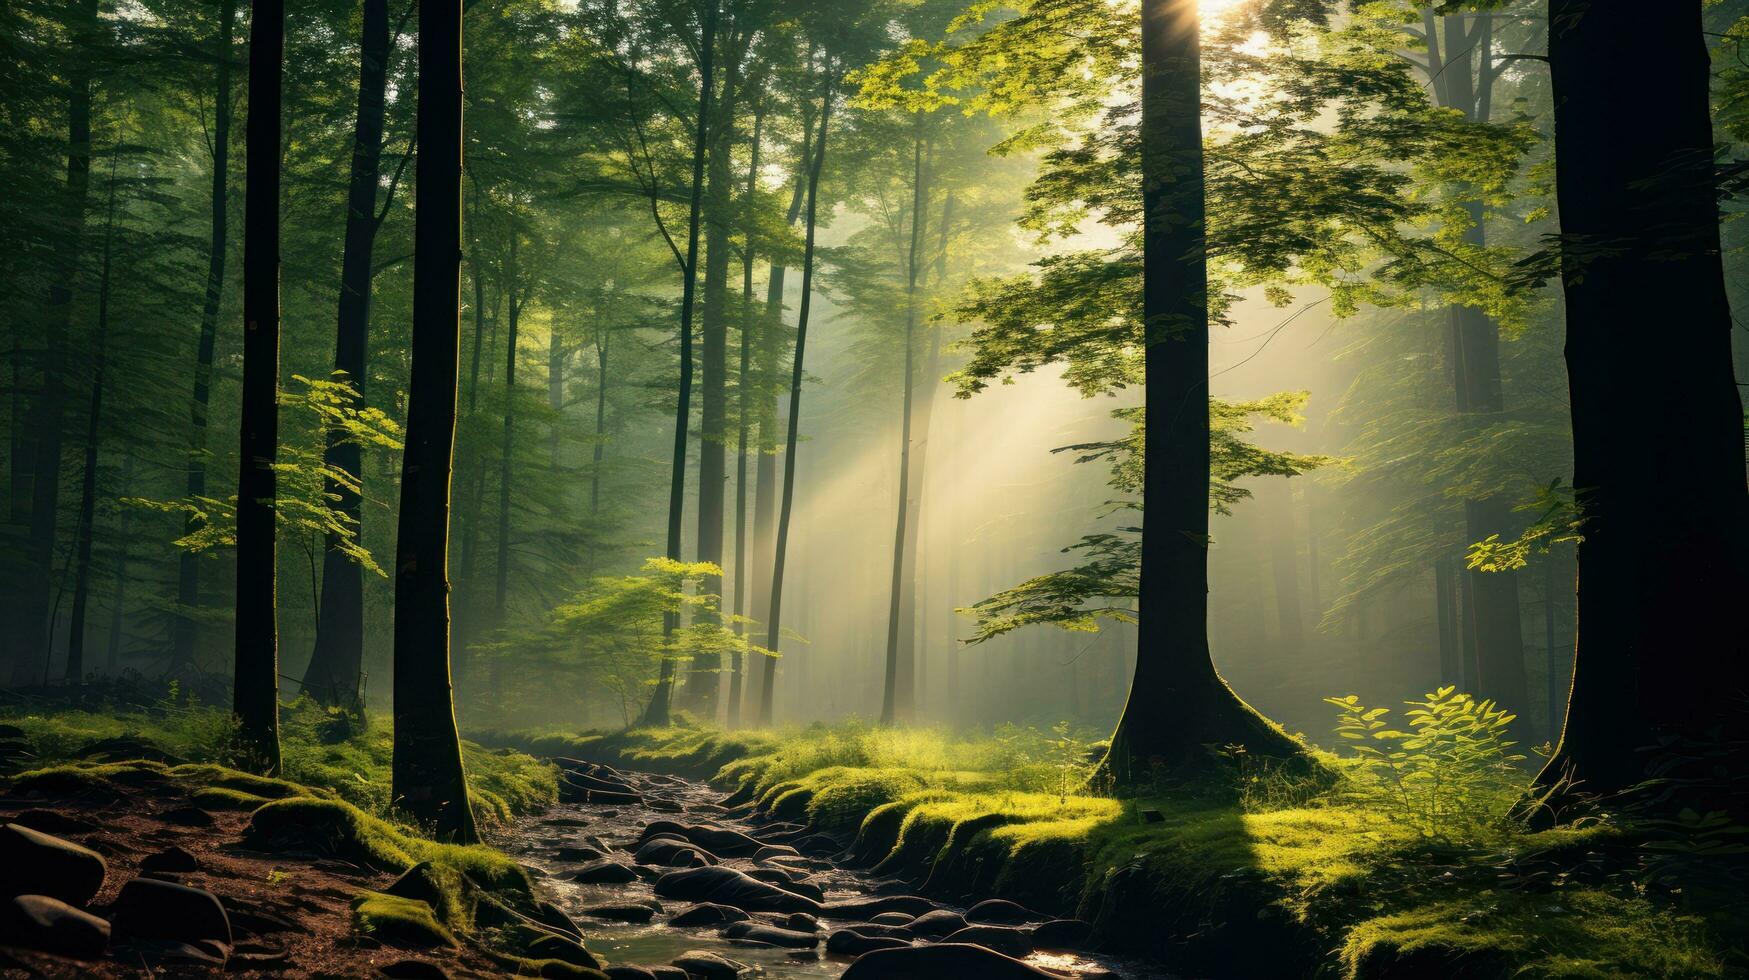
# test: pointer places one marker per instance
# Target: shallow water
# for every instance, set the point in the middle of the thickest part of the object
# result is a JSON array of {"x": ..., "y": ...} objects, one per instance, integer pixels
[{"x": 535, "y": 841}]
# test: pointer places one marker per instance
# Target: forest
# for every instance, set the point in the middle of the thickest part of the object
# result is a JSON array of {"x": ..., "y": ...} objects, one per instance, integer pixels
[{"x": 913, "y": 489}]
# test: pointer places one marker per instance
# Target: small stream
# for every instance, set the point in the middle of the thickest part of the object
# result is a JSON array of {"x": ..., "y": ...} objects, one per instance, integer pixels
[{"x": 538, "y": 842}]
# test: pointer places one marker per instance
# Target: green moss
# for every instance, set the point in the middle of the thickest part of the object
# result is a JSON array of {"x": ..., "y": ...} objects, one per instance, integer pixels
[
  {"x": 1575, "y": 933},
  {"x": 398, "y": 921}
]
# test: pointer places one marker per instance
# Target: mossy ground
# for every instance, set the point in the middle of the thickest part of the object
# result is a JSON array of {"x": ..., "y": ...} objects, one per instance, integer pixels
[{"x": 1207, "y": 877}]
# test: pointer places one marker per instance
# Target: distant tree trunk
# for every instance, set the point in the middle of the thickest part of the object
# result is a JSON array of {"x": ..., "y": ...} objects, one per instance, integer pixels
[
  {"x": 557, "y": 359},
  {"x": 765, "y": 488},
  {"x": 657, "y": 712},
  {"x": 1445, "y": 616},
  {"x": 1473, "y": 348},
  {"x": 704, "y": 680},
  {"x": 506, "y": 460},
  {"x": 774, "y": 622},
  {"x": 112, "y": 658},
  {"x": 255, "y": 700},
  {"x": 743, "y": 386},
  {"x": 185, "y": 628},
  {"x": 88, "y": 486},
  {"x": 601, "y": 339},
  {"x": 1661, "y": 651},
  {"x": 1177, "y": 703},
  {"x": 469, "y": 515},
  {"x": 338, "y": 658},
  {"x": 898, "y": 698},
  {"x": 35, "y": 595},
  {"x": 1284, "y": 566},
  {"x": 428, "y": 782}
]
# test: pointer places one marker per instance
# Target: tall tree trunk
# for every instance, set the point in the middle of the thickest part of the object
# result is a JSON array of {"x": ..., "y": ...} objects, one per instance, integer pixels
[
  {"x": 1462, "y": 81},
  {"x": 704, "y": 680},
  {"x": 1177, "y": 702},
  {"x": 112, "y": 658},
  {"x": 35, "y": 593},
  {"x": 743, "y": 391},
  {"x": 335, "y": 664},
  {"x": 469, "y": 516},
  {"x": 765, "y": 488},
  {"x": 601, "y": 346},
  {"x": 657, "y": 713},
  {"x": 93, "y": 420},
  {"x": 506, "y": 460},
  {"x": 428, "y": 782},
  {"x": 255, "y": 698},
  {"x": 185, "y": 629},
  {"x": 898, "y": 698},
  {"x": 1660, "y": 650},
  {"x": 774, "y": 621}
]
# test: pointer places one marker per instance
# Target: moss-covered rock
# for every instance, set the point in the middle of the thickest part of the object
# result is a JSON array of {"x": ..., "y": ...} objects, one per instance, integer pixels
[{"x": 396, "y": 921}]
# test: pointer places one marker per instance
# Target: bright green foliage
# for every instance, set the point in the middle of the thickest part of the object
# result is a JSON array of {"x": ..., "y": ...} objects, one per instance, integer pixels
[
  {"x": 1452, "y": 775},
  {"x": 306, "y": 509}
]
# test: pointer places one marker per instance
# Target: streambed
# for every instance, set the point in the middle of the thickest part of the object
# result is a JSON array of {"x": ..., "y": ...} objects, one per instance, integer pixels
[{"x": 550, "y": 843}]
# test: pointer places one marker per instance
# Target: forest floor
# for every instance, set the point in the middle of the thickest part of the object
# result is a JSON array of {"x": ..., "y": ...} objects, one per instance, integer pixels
[{"x": 1263, "y": 879}]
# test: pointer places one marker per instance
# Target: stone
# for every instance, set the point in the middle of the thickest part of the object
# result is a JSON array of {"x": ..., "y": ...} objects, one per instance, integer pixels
[
  {"x": 1062, "y": 934},
  {"x": 54, "y": 822},
  {"x": 709, "y": 966},
  {"x": 549, "y": 914},
  {"x": 621, "y": 912},
  {"x": 1008, "y": 940},
  {"x": 707, "y": 914},
  {"x": 604, "y": 873},
  {"x": 769, "y": 851},
  {"x": 556, "y": 947},
  {"x": 1001, "y": 912},
  {"x": 171, "y": 859},
  {"x": 818, "y": 845},
  {"x": 1152, "y": 816},
  {"x": 629, "y": 973},
  {"x": 580, "y": 852},
  {"x": 946, "y": 961},
  {"x": 34, "y": 863},
  {"x": 937, "y": 923},
  {"x": 893, "y": 919},
  {"x": 671, "y": 852},
  {"x": 187, "y": 816},
  {"x": 151, "y": 909},
  {"x": 663, "y": 806},
  {"x": 565, "y": 822},
  {"x": 755, "y": 932},
  {"x": 802, "y": 921},
  {"x": 52, "y": 926},
  {"x": 730, "y": 887},
  {"x": 788, "y": 881},
  {"x": 849, "y": 942}
]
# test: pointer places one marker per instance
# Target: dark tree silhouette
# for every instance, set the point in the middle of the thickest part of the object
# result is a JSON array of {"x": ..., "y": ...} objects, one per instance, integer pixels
[{"x": 428, "y": 782}]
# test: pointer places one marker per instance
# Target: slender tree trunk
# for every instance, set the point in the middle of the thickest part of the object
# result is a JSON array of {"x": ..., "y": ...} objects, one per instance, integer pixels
[
  {"x": 704, "y": 681},
  {"x": 601, "y": 345},
  {"x": 255, "y": 700},
  {"x": 1177, "y": 703},
  {"x": 765, "y": 488},
  {"x": 112, "y": 658},
  {"x": 774, "y": 622},
  {"x": 185, "y": 629},
  {"x": 1461, "y": 80},
  {"x": 36, "y": 594},
  {"x": 556, "y": 362},
  {"x": 898, "y": 698},
  {"x": 469, "y": 516},
  {"x": 428, "y": 782},
  {"x": 744, "y": 385},
  {"x": 338, "y": 658},
  {"x": 1661, "y": 653},
  {"x": 506, "y": 460},
  {"x": 93, "y": 420},
  {"x": 657, "y": 712}
]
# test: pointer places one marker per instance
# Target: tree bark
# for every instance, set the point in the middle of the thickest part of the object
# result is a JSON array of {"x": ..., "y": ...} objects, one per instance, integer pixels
[
  {"x": 1177, "y": 703},
  {"x": 255, "y": 696},
  {"x": 112, "y": 658},
  {"x": 774, "y": 622},
  {"x": 657, "y": 713},
  {"x": 338, "y": 658},
  {"x": 506, "y": 459},
  {"x": 185, "y": 629},
  {"x": 88, "y": 485},
  {"x": 1660, "y": 651},
  {"x": 743, "y": 386},
  {"x": 898, "y": 697},
  {"x": 704, "y": 680},
  {"x": 428, "y": 782}
]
